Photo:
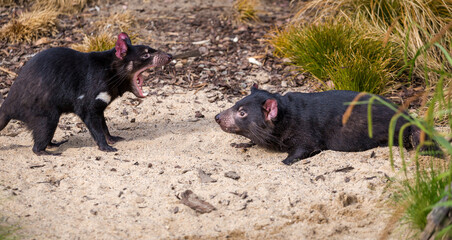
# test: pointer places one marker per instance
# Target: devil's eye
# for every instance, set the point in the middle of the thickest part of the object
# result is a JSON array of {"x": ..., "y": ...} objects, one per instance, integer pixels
[
  {"x": 145, "y": 56},
  {"x": 242, "y": 113}
]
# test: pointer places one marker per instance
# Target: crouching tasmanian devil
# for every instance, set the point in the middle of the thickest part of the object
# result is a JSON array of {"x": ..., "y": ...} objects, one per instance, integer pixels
[
  {"x": 62, "y": 80},
  {"x": 303, "y": 124}
]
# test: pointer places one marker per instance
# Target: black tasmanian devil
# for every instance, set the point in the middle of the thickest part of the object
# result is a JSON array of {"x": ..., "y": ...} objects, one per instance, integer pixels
[
  {"x": 62, "y": 80},
  {"x": 303, "y": 124}
]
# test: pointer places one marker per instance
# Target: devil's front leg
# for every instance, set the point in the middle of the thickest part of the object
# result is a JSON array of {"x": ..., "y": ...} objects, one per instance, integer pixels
[
  {"x": 110, "y": 139},
  {"x": 297, "y": 154},
  {"x": 94, "y": 121},
  {"x": 243, "y": 145}
]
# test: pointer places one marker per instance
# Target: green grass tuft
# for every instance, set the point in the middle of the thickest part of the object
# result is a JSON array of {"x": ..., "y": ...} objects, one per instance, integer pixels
[
  {"x": 340, "y": 53},
  {"x": 421, "y": 190},
  {"x": 357, "y": 73},
  {"x": 420, "y": 194},
  {"x": 412, "y": 24}
]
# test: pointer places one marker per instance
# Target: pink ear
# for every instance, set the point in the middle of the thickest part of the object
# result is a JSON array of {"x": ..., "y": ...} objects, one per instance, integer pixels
[
  {"x": 254, "y": 87},
  {"x": 121, "y": 45},
  {"x": 123, "y": 36},
  {"x": 270, "y": 109}
]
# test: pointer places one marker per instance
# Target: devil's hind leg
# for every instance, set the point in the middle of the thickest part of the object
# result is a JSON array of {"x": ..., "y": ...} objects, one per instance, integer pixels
[
  {"x": 43, "y": 127},
  {"x": 4, "y": 120}
]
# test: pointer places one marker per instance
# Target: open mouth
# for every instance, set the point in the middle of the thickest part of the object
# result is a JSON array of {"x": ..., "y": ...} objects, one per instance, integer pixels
[{"x": 137, "y": 80}]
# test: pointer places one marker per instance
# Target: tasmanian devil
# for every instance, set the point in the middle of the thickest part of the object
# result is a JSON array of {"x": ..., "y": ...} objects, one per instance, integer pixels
[
  {"x": 62, "y": 80},
  {"x": 303, "y": 124}
]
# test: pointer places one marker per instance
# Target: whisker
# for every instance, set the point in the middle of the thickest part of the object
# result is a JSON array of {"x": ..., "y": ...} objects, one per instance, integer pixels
[
  {"x": 120, "y": 78},
  {"x": 263, "y": 137}
]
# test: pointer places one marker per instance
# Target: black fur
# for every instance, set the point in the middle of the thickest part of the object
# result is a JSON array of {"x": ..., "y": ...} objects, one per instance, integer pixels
[
  {"x": 62, "y": 80},
  {"x": 303, "y": 124}
]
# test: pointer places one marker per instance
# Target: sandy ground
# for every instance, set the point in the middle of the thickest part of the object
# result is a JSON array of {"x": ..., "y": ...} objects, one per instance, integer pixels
[{"x": 133, "y": 193}]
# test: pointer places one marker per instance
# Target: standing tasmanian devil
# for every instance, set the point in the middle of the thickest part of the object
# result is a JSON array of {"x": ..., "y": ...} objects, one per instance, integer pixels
[
  {"x": 303, "y": 124},
  {"x": 62, "y": 80}
]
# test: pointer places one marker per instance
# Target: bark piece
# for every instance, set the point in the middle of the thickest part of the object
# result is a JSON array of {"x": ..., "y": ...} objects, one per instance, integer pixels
[{"x": 191, "y": 200}]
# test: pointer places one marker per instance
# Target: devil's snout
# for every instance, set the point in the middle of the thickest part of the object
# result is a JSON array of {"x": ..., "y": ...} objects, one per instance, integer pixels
[{"x": 217, "y": 118}]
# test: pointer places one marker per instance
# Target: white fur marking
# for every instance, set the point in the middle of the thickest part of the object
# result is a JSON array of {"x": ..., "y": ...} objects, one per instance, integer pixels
[
  {"x": 104, "y": 96},
  {"x": 81, "y": 96}
]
